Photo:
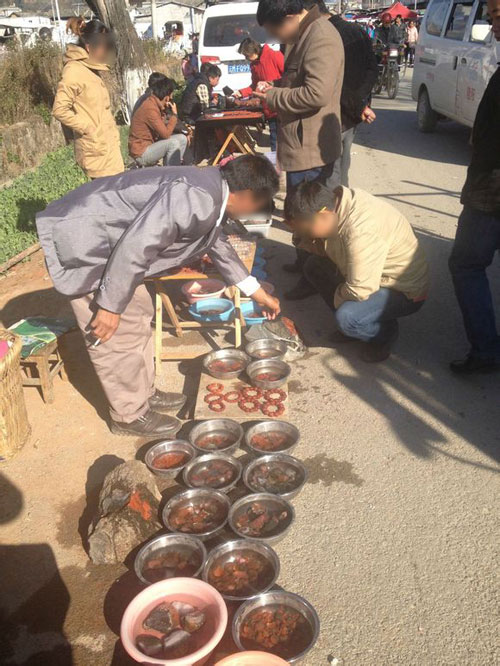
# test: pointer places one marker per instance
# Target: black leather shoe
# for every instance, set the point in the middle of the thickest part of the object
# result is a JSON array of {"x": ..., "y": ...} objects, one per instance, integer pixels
[
  {"x": 302, "y": 289},
  {"x": 472, "y": 365},
  {"x": 292, "y": 268},
  {"x": 161, "y": 401},
  {"x": 376, "y": 352},
  {"x": 152, "y": 424}
]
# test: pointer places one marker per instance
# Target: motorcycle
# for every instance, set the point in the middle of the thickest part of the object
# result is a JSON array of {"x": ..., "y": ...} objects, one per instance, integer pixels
[{"x": 390, "y": 59}]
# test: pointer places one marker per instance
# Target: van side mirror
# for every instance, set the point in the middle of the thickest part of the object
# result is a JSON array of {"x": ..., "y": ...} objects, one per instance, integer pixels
[{"x": 480, "y": 32}]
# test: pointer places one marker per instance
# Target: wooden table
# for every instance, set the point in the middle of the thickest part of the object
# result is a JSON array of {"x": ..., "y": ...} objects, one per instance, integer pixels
[
  {"x": 235, "y": 124},
  {"x": 162, "y": 300}
]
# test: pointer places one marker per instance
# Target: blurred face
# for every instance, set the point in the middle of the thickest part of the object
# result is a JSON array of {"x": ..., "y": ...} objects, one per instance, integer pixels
[
  {"x": 252, "y": 57},
  {"x": 99, "y": 52},
  {"x": 322, "y": 225},
  {"x": 213, "y": 80},
  {"x": 243, "y": 203},
  {"x": 494, "y": 13},
  {"x": 412, "y": 25},
  {"x": 287, "y": 31},
  {"x": 386, "y": 21}
]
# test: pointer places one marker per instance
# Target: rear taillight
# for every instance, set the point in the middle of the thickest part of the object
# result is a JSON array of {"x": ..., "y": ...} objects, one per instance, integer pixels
[{"x": 215, "y": 60}]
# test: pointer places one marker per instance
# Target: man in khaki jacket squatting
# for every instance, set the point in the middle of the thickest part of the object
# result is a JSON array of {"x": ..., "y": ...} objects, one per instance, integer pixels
[{"x": 366, "y": 263}]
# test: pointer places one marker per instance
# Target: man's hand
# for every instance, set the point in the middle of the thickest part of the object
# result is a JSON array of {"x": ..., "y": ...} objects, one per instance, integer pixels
[
  {"x": 237, "y": 94},
  {"x": 173, "y": 107},
  {"x": 269, "y": 304},
  {"x": 263, "y": 87},
  {"x": 368, "y": 115},
  {"x": 104, "y": 324}
]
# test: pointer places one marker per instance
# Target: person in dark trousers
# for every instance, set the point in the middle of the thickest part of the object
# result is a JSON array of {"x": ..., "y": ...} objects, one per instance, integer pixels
[
  {"x": 103, "y": 239},
  {"x": 478, "y": 232},
  {"x": 307, "y": 98},
  {"x": 196, "y": 97},
  {"x": 266, "y": 64},
  {"x": 360, "y": 74}
]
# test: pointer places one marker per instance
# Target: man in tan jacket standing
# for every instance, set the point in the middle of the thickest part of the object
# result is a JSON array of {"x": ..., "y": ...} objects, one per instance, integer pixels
[{"x": 307, "y": 97}]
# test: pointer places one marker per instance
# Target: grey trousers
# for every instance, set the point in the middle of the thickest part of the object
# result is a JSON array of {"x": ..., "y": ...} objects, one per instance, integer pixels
[
  {"x": 342, "y": 164},
  {"x": 170, "y": 151},
  {"x": 124, "y": 364}
]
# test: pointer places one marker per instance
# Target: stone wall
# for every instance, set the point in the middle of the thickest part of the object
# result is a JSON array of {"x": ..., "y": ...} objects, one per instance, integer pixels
[{"x": 24, "y": 145}]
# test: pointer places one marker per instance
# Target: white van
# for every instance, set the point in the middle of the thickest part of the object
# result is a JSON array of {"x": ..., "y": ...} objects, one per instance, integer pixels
[
  {"x": 454, "y": 60},
  {"x": 224, "y": 27}
]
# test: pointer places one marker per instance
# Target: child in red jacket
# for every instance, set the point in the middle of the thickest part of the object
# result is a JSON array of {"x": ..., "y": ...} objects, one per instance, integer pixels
[{"x": 265, "y": 65}]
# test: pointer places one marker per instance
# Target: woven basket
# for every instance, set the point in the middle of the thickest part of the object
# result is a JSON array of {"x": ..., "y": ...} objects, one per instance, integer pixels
[{"x": 14, "y": 426}]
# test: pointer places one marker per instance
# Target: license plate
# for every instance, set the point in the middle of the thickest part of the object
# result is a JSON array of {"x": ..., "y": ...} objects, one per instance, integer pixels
[{"x": 244, "y": 68}]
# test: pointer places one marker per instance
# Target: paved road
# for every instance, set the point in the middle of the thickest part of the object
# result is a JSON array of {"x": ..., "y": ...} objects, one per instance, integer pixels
[{"x": 396, "y": 537}]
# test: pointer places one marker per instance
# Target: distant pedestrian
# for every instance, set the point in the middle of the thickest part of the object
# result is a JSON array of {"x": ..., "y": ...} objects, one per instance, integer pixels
[
  {"x": 82, "y": 100},
  {"x": 266, "y": 64},
  {"x": 478, "y": 232},
  {"x": 411, "y": 41}
]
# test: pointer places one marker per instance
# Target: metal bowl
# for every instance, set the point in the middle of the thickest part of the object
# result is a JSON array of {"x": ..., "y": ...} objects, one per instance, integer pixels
[
  {"x": 278, "y": 459},
  {"x": 204, "y": 461},
  {"x": 177, "y": 445},
  {"x": 263, "y": 427},
  {"x": 278, "y": 598},
  {"x": 226, "y": 427},
  {"x": 275, "y": 349},
  {"x": 226, "y": 554},
  {"x": 269, "y": 500},
  {"x": 225, "y": 355},
  {"x": 268, "y": 365},
  {"x": 166, "y": 542},
  {"x": 190, "y": 498}
]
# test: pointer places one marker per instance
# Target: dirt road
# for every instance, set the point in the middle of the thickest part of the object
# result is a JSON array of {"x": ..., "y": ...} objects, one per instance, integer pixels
[{"x": 396, "y": 537}]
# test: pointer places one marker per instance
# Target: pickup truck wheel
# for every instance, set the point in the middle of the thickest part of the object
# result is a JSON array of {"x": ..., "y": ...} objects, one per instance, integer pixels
[{"x": 426, "y": 117}]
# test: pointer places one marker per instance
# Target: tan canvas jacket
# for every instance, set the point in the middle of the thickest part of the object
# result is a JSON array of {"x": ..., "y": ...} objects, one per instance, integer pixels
[
  {"x": 375, "y": 247},
  {"x": 307, "y": 98},
  {"x": 82, "y": 103}
]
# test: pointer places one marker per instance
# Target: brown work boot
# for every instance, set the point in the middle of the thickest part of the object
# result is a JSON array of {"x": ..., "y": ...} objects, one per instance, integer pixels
[
  {"x": 376, "y": 352},
  {"x": 151, "y": 424},
  {"x": 162, "y": 401}
]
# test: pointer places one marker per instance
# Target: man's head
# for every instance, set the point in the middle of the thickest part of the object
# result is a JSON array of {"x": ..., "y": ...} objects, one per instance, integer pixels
[
  {"x": 163, "y": 89},
  {"x": 398, "y": 19},
  {"x": 411, "y": 24},
  {"x": 310, "y": 209},
  {"x": 250, "y": 49},
  {"x": 281, "y": 18},
  {"x": 494, "y": 14},
  {"x": 212, "y": 72},
  {"x": 309, "y": 4},
  {"x": 252, "y": 182},
  {"x": 154, "y": 77},
  {"x": 386, "y": 20}
]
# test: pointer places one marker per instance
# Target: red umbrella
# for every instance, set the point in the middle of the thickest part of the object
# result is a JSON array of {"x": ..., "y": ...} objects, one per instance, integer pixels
[{"x": 398, "y": 9}]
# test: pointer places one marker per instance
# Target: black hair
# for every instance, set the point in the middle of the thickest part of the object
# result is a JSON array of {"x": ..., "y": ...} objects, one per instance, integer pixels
[
  {"x": 211, "y": 71},
  {"x": 163, "y": 88},
  {"x": 91, "y": 33},
  {"x": 307, "y": 199},
  {"x": 252, "y": 172},
  {"x": 154, "y": 77},
  {"x": 274, "y": 12},
  {"x": 309, "y": 4},
  {"x": 249, "y": 47}
]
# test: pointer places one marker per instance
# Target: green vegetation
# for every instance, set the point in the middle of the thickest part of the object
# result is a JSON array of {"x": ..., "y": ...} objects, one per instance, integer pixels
[{"x": 19, "y": 202}]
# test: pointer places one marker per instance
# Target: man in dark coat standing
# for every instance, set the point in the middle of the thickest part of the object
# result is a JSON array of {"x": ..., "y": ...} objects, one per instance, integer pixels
[
  {"x": 478, "y": 231},
  {"x": 103, "y": 239}
]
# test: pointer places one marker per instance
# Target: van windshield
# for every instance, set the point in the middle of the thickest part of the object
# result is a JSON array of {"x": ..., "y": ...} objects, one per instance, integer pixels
[{"x": 232, "y": 30}]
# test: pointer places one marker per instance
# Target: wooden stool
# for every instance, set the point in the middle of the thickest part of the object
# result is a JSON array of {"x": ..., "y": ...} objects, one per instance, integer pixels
[{"x": 40, "y": 368}]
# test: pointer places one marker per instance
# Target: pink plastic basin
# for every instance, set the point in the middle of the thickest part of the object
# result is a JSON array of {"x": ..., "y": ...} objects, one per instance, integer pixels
[
  {"x": 252, "y": 659},
  {"x": 210, "y": 287},
  {"x": 189, "y": 590}
]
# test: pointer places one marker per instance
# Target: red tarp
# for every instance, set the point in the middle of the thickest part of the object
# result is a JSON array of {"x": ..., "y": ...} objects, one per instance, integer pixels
[{"x": 399, "y": 9}]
